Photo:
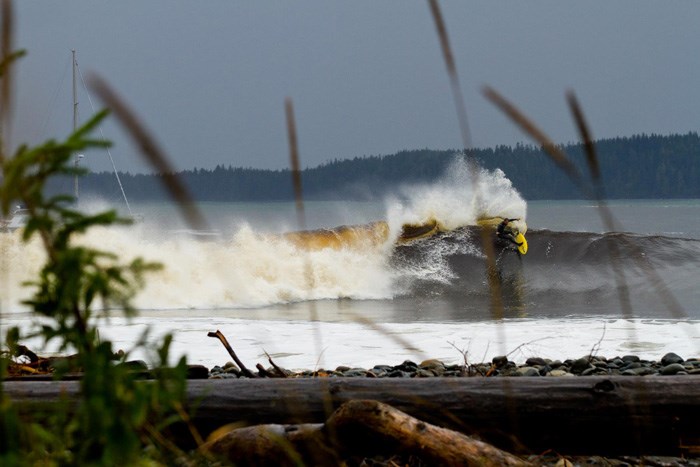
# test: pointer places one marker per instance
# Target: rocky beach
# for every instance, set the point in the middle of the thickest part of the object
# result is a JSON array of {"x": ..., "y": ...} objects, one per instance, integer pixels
[
  {"x": 593, "y": 365},
  {"x": 670, "y": 364}
]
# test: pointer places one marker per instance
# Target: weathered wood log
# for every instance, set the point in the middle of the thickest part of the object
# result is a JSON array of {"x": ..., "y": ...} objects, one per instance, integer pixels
[
  {"x": 274, "y": 445},
  {"x": 582, "y": 415},
  {"x": 360, "y": 428},
  {"x": 371, "y": 427},
  {"x": 627, "y": 415}
]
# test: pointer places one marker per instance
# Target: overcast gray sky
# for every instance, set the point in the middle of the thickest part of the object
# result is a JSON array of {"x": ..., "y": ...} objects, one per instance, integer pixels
[{"x": 209, "y": 78}]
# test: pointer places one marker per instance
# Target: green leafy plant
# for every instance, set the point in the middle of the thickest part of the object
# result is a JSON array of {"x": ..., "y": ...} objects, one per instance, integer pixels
[{"x": 120, "y": 420}]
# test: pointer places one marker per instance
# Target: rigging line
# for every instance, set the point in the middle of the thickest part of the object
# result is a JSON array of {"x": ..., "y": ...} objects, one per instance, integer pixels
[
  {"x": 52, "y": 106},
  {"x": 109, "y": 153}
]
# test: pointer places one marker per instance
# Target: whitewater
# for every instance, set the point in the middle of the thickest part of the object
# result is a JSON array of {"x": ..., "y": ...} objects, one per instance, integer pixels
[{"x": 385, "y": 303}]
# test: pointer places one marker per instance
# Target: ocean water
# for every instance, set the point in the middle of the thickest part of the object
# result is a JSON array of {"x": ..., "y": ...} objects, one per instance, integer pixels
[{"x": 580, "y": 287}]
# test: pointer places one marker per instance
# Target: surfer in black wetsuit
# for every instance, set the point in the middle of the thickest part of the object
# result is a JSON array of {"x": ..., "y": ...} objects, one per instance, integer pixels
[{"x": 505, "y": 232}]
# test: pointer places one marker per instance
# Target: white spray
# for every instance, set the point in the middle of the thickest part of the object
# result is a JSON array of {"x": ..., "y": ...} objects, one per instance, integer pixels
[
  {"x": 245, "y": 269},
  {"x": 451, "y": 201}
]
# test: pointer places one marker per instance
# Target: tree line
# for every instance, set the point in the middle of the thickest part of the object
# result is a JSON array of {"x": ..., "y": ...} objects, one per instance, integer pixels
[{"x": 637, "y": 167}]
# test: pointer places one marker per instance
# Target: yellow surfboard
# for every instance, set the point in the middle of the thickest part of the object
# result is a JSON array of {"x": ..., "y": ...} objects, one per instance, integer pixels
[{"x": 522, "y": 248}]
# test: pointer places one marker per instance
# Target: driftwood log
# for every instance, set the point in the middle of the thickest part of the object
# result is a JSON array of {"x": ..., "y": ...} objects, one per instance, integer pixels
[
  {"x": 580, "y": 415},
  {"x": 359, "y": 428}
]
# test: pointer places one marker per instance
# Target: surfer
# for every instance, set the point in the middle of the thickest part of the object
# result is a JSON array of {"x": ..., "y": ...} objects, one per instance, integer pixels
[{"x": 505, "y": 231}]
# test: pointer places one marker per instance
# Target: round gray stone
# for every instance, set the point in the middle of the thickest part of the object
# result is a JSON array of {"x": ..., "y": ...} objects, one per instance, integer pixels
[
  {"x": 670, "y": 358},
  {"x": 580, "y": 365},
  {"x": 535, "y": 361},
  {"x": 500, "y": 361},
  {"x": 528, "y": 371},
  {"x": 671, "y": 369}
]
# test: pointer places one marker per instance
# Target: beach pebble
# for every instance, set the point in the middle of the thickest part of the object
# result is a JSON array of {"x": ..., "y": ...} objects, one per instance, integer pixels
[
  {"x": 197, "y": 372},
  {"x": 580, "y": 365},
  {"x": 434, "y": 366},
  {"x": 500, "y": 366},
  {"x": 500, "y": 361},
  {"x": 528, "y": 371},
  {"x": 632, "y": 366},
  {"x": 355, "y": 372},
  {"x": 408, "y": 365},
  {"x": 231, "y": 366},
  {"x": 535, "y": 361},
  {"x": 671, "y": 369},
  {"x": 671, "y": 358},
  {"x": 640, "y": 371},
  {"x": 377, "y": 373}
]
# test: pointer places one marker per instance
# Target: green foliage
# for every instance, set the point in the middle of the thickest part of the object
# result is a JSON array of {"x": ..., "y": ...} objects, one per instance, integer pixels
[{"x": 119, "y": 417}]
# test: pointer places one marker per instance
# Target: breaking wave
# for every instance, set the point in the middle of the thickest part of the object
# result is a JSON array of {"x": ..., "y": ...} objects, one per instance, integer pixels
[{"x": 563, "y": 274}]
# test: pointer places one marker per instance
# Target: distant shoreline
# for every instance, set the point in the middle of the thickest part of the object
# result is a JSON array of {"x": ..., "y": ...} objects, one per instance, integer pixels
[{"x": 637, "y": 167}]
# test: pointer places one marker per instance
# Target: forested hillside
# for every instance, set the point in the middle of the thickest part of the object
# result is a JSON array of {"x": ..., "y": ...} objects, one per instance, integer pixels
[{"x": 645, "y": 166}]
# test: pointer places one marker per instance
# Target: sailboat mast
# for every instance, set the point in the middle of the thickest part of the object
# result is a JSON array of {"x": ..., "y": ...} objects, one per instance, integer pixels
[{"x": 75, "y": 126}]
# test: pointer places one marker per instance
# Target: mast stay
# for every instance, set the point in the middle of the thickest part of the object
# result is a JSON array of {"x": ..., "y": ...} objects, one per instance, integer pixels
[{"x": 78, "y": 72}]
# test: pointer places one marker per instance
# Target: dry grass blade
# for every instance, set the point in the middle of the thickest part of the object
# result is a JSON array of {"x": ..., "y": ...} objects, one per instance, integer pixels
[
  {"x": 452, "y": 72},
  {"x": 294, "y": 162},
  {"x": 296, "y": 181},
  {"x": 301, "y": 217},
  {"x": 152, "y": 152},
  {"x": 588, "y": 146},
  {"x": 591, "y": 159},
  {"x": 5, "y": 91},
  {"x": 612, "y": 225},
  {"x": 486, "y": 241},
  {"x": 556, "y": 154},
  {"x": 605, "y": 214},
  {"x": 492, "y": 275},
  {"x": 385, "y": 331},
  {"x": 442, "y": 34},
  {"x": 562, "y": 161}
]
